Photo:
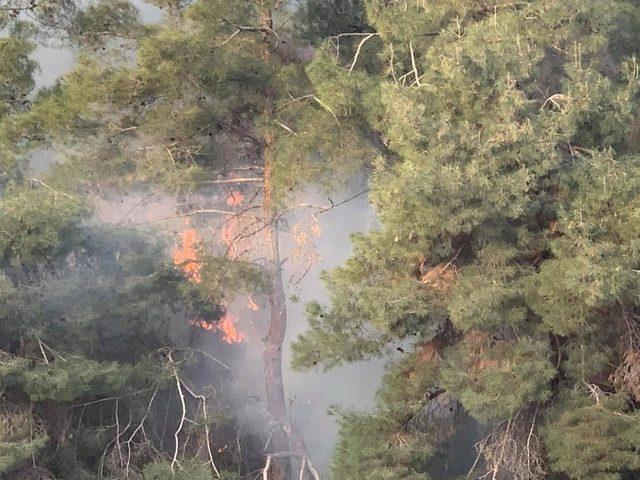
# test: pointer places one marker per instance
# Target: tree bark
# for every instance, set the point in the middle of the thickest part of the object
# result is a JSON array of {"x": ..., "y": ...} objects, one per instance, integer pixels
[{"x": 274, "y": 340}]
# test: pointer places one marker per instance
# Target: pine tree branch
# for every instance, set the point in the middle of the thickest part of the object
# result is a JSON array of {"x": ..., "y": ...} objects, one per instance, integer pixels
[{"x": 357, "y": 54}]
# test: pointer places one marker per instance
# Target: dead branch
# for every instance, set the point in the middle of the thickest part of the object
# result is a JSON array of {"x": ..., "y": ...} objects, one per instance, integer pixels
[
  {"x": 320, "y": 209},
  {"x": 312, "y": 469},
  {"x": 303, "y": 468},
  {"x": 230, "y": 37},
  {"x": 512, "y": 450},
  {"x": 139, "y": 427},
  {"x": 280, "y": 124},
  {"x": 168, "y": 350},
  {"x": 267, "y": 466},
  {"x": 49, "y": 349},
  {"x": 108, "y": 399},
  {"x": 44, "y": 355},
  {"x": 204, "y": 211},
  {"x": 357, "y": 54},
  {"x": 203, "y": 399},
  {"x": 263, "y": 29},
  {"x": 56, "y": 192},
  {"x": 236, "y": 180},
  {"x": 174, "y": 460},
  {"x": 413, "y": 63}
]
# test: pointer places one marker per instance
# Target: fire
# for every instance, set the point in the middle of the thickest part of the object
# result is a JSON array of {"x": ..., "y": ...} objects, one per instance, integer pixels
[
  {"x": 226, "y": 325},
  {"x": 185, "y": 255},
  {"x": 229, "y": 331},
  {"x": 251, "y": 304},
  {"x": 203, "y": 324},
  {"x": 236, "y": 198}
]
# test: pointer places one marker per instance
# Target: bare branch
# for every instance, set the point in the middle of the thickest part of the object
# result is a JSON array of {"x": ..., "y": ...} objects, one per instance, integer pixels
[
  {"x": 203, "y": 211},
  {"x": 312, "y": 469},
  {"x": 413, "y": 63},
  {"x": 209, "y": 356},
  {"x": 285, "y": 127},
  {"x": 267, "y": 466},
  {"x": 236, "y": 180},
  {"x": 40, "y": 182},
  {"x": 355, "y": 57},
  {"x": 230, "y": 37},
  {"x": 44, "y": 355},
  {"x": 203, "y": 399},
  {"x": 174, "y": 460}
]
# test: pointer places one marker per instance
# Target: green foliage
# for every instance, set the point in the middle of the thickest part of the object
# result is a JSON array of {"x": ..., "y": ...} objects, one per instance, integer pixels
[
  {"x": 507, "y": 191},
  {"x": 88, "y": 315},
  {"x": 225, "y": 277},
  {"x": 198, "y": 94},
  {"x": 16, "y": 84},
  {"x": 317, "y": 20},
  {"x": 593, "y": 438},
  {"x": 502, "y": 141},
  {"x": 64, "y": 380},
  {"x": 187, "y": 471},
  {"x": 13, "y": 454},
  {"x": 332, "y": 341},
  {"x": 494, "y": 379},
  {"x": 369, "y": 449},
  {"x": 103, "y": 20},
  {"x": 16, "y": 73},
  {"x": 490, "y": 293},
  {"x": 35, "y": 224},
  {"x": 594, "y": 260},
  {"x": 20, "y": 438},
  {"x": 586, "y": 359}
]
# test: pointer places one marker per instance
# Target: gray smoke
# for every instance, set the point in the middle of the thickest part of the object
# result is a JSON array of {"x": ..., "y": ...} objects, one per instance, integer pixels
[{"x": 311, "y": 394}]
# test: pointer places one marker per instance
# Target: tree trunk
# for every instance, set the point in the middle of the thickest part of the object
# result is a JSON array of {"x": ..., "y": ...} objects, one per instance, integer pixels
[{"x": 272, "y": 356}]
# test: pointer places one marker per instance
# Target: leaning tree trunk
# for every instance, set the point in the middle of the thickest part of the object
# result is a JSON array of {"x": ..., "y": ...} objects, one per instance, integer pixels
[{"x": 274, "y": 341}]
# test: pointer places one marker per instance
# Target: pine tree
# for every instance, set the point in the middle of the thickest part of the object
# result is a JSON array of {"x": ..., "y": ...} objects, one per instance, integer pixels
[
  {"x": 218, "y": 90},
  {"x": 97, "y": 346},
  {"x": 507, "y": 191},
  {"x": 96, "y": 341}
]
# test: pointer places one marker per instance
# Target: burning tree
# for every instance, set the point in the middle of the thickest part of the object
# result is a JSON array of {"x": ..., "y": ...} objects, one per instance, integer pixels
[
  {"x": 96, "y": 349},
  {"x": 218, "y": 99}
]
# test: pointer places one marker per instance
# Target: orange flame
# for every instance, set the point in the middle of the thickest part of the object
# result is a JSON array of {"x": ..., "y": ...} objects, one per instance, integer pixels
[
  {"x": 229, "y": 331},
  {"x": 185, "y": 255},
  {"x": 226, "y": 325},
  {"x": 236, "y": 198},
  {"x": 203, "y": 324},
  {"x": 251, "y": 304}
]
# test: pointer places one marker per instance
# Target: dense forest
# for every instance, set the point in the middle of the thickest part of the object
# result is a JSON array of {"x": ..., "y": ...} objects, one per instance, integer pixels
[{"x": 499, "y": 141}]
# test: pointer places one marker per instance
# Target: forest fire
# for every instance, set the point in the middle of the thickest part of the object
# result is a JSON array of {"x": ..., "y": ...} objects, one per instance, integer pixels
[
  {"x": 226, "y": 325},
  {"x": 185, "y": 258},
  {"x": 235, "y": 198},
  {"x": 185, "y": 255},
  {"x": 251, "y": 305}
]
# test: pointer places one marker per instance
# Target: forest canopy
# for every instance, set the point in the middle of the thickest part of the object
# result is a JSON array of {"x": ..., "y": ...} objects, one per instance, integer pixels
[{"x": 501, "y": 282}]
